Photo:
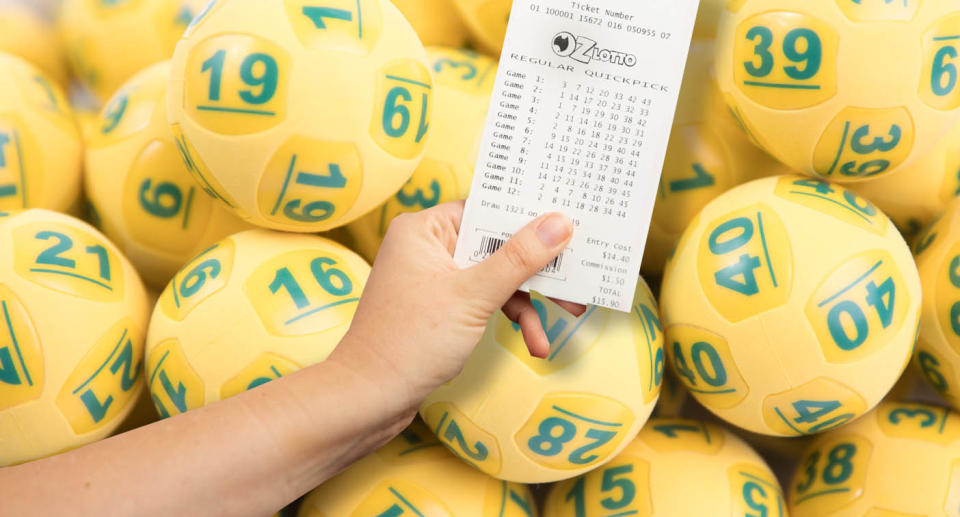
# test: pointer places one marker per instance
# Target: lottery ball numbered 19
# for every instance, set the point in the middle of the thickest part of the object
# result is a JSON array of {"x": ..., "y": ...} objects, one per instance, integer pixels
[
  {"x": 842, "y": 89},
  {"x": 301, "y": 117},
  {"x": 73, "y": 316},
  {"x": 790, "y": 307},
  {"x": 529, "y": 420}
]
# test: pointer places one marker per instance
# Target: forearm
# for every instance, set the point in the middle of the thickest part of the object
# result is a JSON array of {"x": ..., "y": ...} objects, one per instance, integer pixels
[{"x": 248, "y": 455}]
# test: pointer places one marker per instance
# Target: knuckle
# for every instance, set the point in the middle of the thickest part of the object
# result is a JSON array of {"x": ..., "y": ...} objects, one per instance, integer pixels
[{"x": 517, "y": 255}]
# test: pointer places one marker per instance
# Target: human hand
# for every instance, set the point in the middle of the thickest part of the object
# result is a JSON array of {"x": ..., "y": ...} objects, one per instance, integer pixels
[{"x": 420, "y": 316}]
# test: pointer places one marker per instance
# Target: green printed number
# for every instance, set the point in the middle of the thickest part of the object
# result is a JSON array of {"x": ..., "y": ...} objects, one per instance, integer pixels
[
  {"x": 701, "y": 179},
  {"x": 396, "y": 114},
  {"x": 7, "y": 189},
  {"x": 923, "y": 417},
  {"x": 98, "y": 408},
  {"x": 315, "y": 211},
  {"x": 52, "y": 256},
  {"x": 707, "y": 364},
  {"x": 163, "y": 200},
  {"x": 259, "y": 71},
  {"x": 730, "y": 237},
  {"x": 419, "y": 199},
  {"x": 929, "y": 364},
  {"x": 837, "y": 470},
  {"x": 814, "y": 411},
  {"x": 881, "y": 298},
  {"x": 470, "y": 70},
  {"x": 556, "y": 432},
  {"x": 763, "y": 63},
  {"x": 943, "y": 77},
  {"x": 331, "y": 279},
  {"x": 824, "y": 190},
  {"x": 113, "y": 114},
  {"x": 197, "y": 277},
  {"x": 616, "y": 485}
]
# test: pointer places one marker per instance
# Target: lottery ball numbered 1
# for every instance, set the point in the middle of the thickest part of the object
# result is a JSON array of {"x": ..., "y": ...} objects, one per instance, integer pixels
[
  {"x": 108, "y": 41},
  {"x": 144, "y": 196},
  {"x": 414, "y": 475},
  {"x": 531, "y": 420},
  {"x": 463, "y": 82},
  {"x": 655, "y": 474},
  {"x": 937, "y": 252},
  {"x": 41, "y": 155},
  {"x": 73, "y": 315},
  {"x": 253, "y": 307},
  {"x": 900, "y": 459},
  {"x": 791, "y": 306},
  {"x": 301, "y": 115},
  {"x": 811, "y": 81}
]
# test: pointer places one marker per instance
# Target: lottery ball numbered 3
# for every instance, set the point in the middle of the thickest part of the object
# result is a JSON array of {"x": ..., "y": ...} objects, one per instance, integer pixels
[
  {"x": 73, "y": 315},
  {"x": 301, "y": 116},
  {"x": 790, "y": 306}
]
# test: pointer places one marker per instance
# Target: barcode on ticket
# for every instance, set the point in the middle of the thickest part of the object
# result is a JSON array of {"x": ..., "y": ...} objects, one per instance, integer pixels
[{"x": 490, "y": 245}]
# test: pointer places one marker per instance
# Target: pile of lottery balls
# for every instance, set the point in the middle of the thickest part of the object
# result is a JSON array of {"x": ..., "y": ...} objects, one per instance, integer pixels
[{"x": 191, "y": 194}]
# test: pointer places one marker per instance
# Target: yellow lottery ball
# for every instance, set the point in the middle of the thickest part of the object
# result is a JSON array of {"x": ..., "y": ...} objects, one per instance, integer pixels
[
  {"x": 707, "y": 155},
  {"x": 530, "y": 420},
  {"x": 253, "y": 307},
  {"x": 674, "y": 468},
  {"x": 938, "y": 259},
  {"x": 109, "y": 41},
  {"x": 899, "y": 460},
  {"x": 790, "y": 306},
  {"x": 463, "y": 83},
  {"x": 41, "y": 155},
  {"x": 73, "y": 315},
  {"x": 917, "y": 194},
  {"x": 415, "y": 475},
  {"x": 301, "y": 117},
  {"x": 25, "y": 33},
  {"x": 487, "y": 22},
  {"x": 812, "y": 81},
  {"x": 142, "y": 191},
  {"x": 437, "y": 22}
]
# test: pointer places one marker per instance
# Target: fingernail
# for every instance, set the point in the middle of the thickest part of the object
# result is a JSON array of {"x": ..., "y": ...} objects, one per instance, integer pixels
[{"x": 554, "y": 230}]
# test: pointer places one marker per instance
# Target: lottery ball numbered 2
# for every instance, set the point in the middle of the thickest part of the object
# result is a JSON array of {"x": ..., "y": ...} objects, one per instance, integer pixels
[
  {"x": 530, "y": 420},
  {"x": 790, "y": 306},
  {"x": 253, "y": 307},
  {"x": 301, "y": 115},
  {"x": 73, "y": 315},
  {"x": 812, "y": 81},
  {"x": 901, "y": 459}
]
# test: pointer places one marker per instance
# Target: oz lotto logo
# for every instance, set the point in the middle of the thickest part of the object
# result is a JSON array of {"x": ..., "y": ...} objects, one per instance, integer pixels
[{"x": 585, "y": 50}]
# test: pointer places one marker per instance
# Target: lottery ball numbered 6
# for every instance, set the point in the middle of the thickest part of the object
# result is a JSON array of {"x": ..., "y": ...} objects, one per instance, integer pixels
[
  {"x": 530, "y": 420},
  {"x": 253, "y": 307},
  {"x": 790, "y": 306},
  {"x": 73, "y": 315},
  {"x": 300, "y": 115},
  {"x": 812, "y": 81}
]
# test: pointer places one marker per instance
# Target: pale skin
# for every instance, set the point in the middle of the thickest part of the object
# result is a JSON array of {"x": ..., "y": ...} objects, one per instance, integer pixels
[{"x": 417, "y": 323}]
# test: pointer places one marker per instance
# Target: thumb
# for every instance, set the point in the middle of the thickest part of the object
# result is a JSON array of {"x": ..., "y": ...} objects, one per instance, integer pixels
[{"x": 525, "y": 254}]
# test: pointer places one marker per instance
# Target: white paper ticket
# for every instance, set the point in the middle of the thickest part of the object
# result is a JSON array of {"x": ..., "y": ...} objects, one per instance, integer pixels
[{"x": 579, "y": 123}]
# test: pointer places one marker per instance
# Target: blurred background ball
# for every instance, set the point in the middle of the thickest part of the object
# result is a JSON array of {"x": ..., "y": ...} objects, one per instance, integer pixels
[
  {"x": 25, "y": 33},
  {"x": 487, "y": 22},
  {"x": 415, "y": 475},
  {"x": 252, "y": 308},
  {"x": 301, "y": 148},
  {"x": 812, "y": 81},
  {"x": 674, "y": 467},
  {"x": 900, "y": 459},
  {"x": 109, "y": 41},
  {"x": 437, "y": 22},
  {"x": 463, "y": 83},
  {"x": 790, "y": 306},
  {"x": 524, "y": 419},
  {"x": 41, "y": 154},
  {"x": 707, "y": 155},
  {"x": 142, "y": 191},
  {"x": 917, "y": 194},
  {"x": 938, "y": 259},
  {"x": 73, "y": 315}
]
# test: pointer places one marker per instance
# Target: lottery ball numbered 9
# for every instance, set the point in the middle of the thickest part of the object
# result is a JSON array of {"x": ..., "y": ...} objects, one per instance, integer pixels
[
  {"x": 415, "y": 475},
  {"x": 108, "y": 42},
  {"x": 41, "y": 155},
  {"x": 655, "y": 474},
  {"x": 301, "y": 116},
  {"x": 73, "y": 315},
  {"x": 253, "y": 307},
  {"x": 530, "y": 420},
  {"x": 463, "y": 82},
  {"x": 812, "y": 81},
  {"x": 791, "y": 306},
  {"x": 901, "y": 459},
  {"x": 144, "y": 196}
]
